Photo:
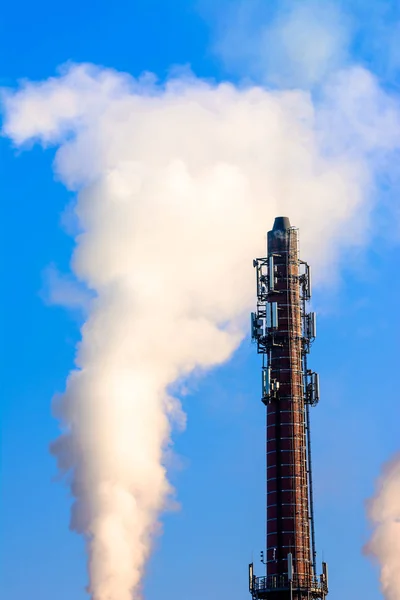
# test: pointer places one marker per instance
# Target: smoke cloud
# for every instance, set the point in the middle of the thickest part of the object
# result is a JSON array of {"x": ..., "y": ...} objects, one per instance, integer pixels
[
  {"x": 384, "y": 513},
  {"x": 295, "y": 44},
  {"x": 176, "y": 186}
]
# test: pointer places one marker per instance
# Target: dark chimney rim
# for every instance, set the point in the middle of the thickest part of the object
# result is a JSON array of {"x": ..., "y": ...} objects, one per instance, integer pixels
[{"x": 281, "y": 224}]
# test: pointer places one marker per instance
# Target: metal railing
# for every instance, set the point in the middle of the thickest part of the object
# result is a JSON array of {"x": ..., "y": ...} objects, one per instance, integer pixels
[{"x": 281, "y": 582}]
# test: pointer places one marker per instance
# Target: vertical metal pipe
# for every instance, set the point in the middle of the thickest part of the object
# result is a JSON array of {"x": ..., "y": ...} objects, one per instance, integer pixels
[
  {"x": 311, "y": 492},
  {"x": 308, "y": 433}
]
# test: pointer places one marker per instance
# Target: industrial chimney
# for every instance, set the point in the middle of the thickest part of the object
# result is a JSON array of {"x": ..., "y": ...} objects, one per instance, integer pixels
[{"x": 284, "y": 331}]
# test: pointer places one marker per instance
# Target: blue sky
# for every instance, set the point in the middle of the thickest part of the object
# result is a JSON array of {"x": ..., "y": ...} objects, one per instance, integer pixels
[{"x": 207, "y": 544}]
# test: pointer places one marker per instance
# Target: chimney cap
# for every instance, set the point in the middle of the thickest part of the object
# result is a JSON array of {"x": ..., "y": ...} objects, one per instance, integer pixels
[{"x": 281, "y": 224}]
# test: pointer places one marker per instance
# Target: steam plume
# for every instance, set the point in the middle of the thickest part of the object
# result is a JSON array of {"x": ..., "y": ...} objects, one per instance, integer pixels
[
  {"x": 384, "y": 513},
  {"x": 176, "y": 185}
]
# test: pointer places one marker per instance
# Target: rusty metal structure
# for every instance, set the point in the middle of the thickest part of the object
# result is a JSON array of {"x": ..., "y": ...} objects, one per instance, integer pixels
[{"x": 284, "y": 331}]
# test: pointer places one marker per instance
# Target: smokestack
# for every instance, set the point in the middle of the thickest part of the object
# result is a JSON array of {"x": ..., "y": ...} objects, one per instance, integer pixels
[{"x": 284, "y": 332}]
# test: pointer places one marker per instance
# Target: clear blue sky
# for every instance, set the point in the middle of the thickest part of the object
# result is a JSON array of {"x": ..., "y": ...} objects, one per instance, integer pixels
[{"x": 207, "y": 545}]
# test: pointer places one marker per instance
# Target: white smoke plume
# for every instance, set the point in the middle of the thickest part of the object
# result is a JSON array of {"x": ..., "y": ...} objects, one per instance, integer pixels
[
  {"x": 176, "y": 186},
  {"x": 384, "y": 513},
  {"x": 296, "y": 45}
]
